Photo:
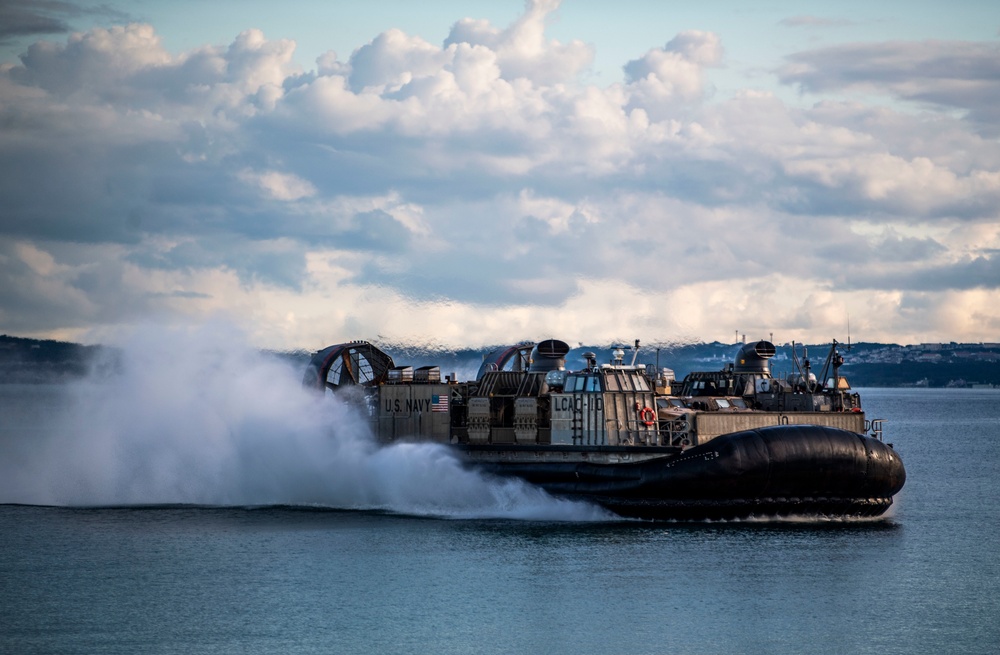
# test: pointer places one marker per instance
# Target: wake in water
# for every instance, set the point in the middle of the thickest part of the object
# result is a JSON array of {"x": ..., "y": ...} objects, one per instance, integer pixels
[{"x": 198, "y": 416}]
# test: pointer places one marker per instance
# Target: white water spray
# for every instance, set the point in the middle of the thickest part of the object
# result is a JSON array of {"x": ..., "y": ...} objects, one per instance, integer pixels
[{"x": 197, "y": 416}]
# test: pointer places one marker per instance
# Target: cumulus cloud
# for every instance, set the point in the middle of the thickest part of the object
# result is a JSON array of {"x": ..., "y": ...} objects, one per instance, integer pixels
[
  {"x": 672, "y": 73},
  {"x": 278, "y": 185},
  {"x": 480, "y": 190},
  {"x": 522, "y": 49}
]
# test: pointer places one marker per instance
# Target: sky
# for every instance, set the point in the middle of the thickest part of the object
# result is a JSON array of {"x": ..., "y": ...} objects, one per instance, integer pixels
[{"x": 471, "y": 173}]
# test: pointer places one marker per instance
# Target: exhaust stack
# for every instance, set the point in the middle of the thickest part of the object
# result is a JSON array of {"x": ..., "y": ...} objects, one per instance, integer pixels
[
  {"x": 752, "y": 358},
  {"x": 549, "y": 355}
]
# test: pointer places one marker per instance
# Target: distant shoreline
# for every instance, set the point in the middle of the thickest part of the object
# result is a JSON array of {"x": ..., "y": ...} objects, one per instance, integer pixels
[{"x": 34, "y": 361}]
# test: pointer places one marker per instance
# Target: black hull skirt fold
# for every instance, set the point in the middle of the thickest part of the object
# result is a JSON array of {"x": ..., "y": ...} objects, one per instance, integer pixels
[{"x": 779, "y": 470}]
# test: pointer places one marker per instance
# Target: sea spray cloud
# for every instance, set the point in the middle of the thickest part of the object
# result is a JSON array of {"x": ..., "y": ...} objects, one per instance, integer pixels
[{"x": 198, "y": 416}]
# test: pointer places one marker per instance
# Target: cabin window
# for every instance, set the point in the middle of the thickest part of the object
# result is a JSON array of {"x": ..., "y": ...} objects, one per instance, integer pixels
[
  {"x": 639, "y": 382},
  {"x": 611, "y": 382},
  {"x": 723, "y": 403},
  {"x": 583, "y": 383}
]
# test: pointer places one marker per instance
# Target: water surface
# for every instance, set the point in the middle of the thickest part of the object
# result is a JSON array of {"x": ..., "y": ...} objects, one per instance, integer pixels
[{"x": 176, "y": 578}]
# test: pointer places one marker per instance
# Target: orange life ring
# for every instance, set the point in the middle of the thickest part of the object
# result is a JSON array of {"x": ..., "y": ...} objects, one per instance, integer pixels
[{"x": 647, "y": 416}]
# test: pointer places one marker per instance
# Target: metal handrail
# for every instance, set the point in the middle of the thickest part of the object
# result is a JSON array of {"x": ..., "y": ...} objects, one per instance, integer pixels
[{"x": 874, "y": 426}]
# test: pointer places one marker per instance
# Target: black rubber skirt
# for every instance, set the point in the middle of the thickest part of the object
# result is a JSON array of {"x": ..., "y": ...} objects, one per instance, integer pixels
[{"x": 783, "y": 470}]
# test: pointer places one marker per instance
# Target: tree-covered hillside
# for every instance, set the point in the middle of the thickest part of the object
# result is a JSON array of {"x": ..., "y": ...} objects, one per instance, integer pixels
[{"x": 867, "y": 364}]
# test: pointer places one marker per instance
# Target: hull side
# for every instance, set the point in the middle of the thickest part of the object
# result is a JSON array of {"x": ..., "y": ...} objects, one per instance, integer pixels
[{"x": 789, "y": 469}]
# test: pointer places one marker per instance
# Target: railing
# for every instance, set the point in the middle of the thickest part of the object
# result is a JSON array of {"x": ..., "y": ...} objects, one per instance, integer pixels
[
  {"x": 674, "y": 432},
  {"x": 873, "y": 427}
]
